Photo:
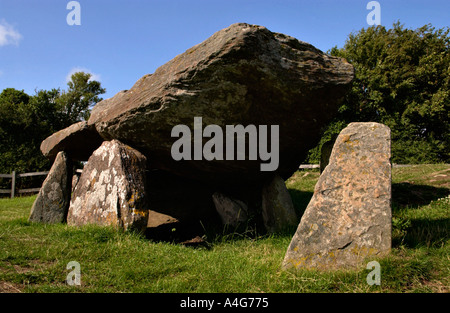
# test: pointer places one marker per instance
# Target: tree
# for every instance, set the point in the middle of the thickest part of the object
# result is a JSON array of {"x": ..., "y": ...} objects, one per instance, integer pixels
[
  {"x": 76, "y": 103},
  {"x": 25, "y": 121},
  {"x": 17, "y": 132},
  {"x": 402, "y": 79}
]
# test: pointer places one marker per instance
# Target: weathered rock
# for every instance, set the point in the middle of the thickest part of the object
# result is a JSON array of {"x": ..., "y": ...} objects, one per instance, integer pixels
[
  {"x": 242, "y": 75},
  {"x": 233, "y": 212},
  {"x": 75, "y": 180},
  {"x": 78, "y": 140},
  {"x": 156, "y": 219},
  {"x": 52, "y": 202},
  {"x": 277, "y": 208},
  {"x": 196, "y": 243},
  {"x": 111, "y": 190},
  {"x": 162, "y": 227},
  {"x": 349, "y": 216}
]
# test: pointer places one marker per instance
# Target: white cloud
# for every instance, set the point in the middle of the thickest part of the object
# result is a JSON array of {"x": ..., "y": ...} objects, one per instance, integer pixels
[
  {"x": 8, "y": 35},
  {"x": 94, "y": 76}
]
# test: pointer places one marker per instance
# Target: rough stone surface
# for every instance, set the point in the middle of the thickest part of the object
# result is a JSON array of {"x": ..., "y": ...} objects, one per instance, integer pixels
[
  {"x": 349, "y": 216},
  {"x": 233, "y": 212},
  {"x": 241, "y": 75},
  {"x": 156, "y": 219},
  {"x": 277, "y": 208},
  {"x": 78, "y": 140},
  {"x": 111, "y": 190},
  {"x": 75, "y": 180},
  {"x": 52, "y": 202},
  {"x": 163, "y": 227}
]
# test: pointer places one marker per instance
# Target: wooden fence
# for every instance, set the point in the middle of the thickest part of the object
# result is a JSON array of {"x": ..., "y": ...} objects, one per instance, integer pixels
[{"x": 14, "y": 176}]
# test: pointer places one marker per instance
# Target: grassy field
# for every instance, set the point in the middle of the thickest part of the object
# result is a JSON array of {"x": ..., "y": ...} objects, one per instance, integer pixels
[{"x": 34, "y": 257}]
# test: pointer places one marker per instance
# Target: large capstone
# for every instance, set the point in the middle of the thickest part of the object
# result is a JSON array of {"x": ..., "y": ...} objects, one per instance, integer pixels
[
  {"x": 111, "y": 189},
  {"x": 242, "y": 75},
  {"x": 349, "y": 217}
]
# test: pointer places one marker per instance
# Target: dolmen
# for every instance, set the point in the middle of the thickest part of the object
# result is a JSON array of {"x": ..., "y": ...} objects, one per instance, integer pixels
[{"x": 205, "y": 141}]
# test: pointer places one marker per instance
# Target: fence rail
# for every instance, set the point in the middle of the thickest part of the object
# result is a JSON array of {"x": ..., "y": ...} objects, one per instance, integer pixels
[
  {"x": 307, "y": 166},
  {"x": 13, "y": 176}
]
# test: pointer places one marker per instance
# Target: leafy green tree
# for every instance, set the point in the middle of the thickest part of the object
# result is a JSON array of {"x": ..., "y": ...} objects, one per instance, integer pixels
[
  {"x": 402, "y": 79},
  {"x": 25, "y": 121},
  {"x": 17, "y": 133},
  {"x": 76, "y": 103}
]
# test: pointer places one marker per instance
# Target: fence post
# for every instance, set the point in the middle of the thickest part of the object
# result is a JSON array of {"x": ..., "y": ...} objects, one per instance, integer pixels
[{"x": 13, "y": 184}]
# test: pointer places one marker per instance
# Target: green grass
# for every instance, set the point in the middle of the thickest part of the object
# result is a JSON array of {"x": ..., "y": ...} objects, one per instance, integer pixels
[{"x": 33, "y": 257}]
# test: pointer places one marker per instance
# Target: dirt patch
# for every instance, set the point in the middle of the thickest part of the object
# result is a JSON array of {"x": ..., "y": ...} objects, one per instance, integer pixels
[
  {"x": 440, "y": 179},
  {"x": 7, "y": 287},
  {"x": 437, "y": 286},
  {"x": 31, "y": 266}
]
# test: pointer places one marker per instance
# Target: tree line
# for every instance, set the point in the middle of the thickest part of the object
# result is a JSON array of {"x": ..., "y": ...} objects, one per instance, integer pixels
[
  {"x": 25, "y": 121},
  {"x": 402, "y": 79}
]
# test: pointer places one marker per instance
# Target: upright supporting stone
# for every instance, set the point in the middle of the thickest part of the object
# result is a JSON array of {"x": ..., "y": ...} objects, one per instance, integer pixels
[
  {"x": 111, "y": 189},
  {"x": 52, "y": 202},
  {"x": 232, "y": 212},
  {"x": 349, "y": 216},
  {"x": 277, "y": 208}
]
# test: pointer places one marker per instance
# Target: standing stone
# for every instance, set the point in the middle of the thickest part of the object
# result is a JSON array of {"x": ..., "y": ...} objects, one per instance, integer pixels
[
  {"x": 111, "y": 190},
  {"x": 349, "y": 216},
  {"x": 53, "y": 200},
  {"x": 232, "y": 211},
  {"x": 277, "y": 207}
]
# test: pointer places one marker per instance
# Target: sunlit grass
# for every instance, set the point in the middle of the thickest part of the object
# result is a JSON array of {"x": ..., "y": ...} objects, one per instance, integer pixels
[{"x": 33, "y": 257}]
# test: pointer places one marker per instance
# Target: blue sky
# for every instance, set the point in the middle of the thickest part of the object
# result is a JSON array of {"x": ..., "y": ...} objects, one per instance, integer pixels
[{"x": 119, "y": 41}]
